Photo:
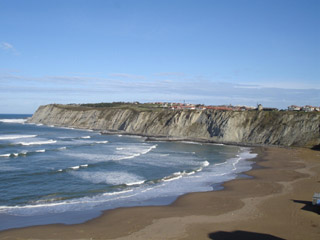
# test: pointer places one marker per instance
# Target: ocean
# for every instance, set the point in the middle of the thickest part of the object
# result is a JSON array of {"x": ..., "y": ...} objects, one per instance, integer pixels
[{"x": 53, "y": 174}]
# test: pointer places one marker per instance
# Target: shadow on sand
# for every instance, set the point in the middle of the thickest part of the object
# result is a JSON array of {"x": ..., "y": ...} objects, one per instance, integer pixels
[
  {"x": 241, "y": 235},
  {"x": 308, "y": 206}
]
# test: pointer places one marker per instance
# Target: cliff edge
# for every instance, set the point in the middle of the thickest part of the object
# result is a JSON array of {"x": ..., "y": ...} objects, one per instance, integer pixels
[{"x": 283, "y": 128}]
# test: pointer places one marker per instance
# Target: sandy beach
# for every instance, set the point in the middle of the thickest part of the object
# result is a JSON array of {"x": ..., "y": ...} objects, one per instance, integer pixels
[{"x": 274, "y": 203}]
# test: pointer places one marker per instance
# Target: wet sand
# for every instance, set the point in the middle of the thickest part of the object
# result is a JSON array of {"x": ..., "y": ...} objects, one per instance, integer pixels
[{"x": 275, "y": 203}]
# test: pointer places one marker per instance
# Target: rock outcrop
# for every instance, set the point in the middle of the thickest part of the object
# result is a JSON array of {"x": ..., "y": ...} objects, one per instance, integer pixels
[{"x": 248, "y": 127}]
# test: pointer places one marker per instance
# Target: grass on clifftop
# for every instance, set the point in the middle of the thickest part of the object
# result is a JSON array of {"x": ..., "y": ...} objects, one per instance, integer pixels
[{"x": 138, "y": 107}]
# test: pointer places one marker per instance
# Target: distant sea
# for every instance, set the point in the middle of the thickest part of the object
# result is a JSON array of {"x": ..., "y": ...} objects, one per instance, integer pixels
[{"x": 53, "y": 174}]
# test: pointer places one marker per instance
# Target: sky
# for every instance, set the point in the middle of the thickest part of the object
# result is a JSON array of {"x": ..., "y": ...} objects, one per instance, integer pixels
[{"x": 214, "y": 52}]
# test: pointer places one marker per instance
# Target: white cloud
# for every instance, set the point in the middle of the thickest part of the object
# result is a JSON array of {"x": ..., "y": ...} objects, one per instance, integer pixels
[
  {"x": 74, "y": 89},
  {"x": 8, "y": 47}
]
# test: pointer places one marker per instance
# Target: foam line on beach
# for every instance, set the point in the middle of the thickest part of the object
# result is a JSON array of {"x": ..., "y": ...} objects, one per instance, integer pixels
[
  {"x": 117, "y": 193},
  {"x": 178, "y": 175},
  {"x": 22, "y": 210}
]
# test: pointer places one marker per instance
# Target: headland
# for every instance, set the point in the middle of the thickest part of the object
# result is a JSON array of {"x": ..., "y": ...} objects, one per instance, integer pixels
[{"x": 249, "y": 127}]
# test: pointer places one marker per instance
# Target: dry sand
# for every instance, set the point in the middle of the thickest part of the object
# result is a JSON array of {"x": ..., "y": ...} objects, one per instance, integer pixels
[{"x": 274, "y": 204}]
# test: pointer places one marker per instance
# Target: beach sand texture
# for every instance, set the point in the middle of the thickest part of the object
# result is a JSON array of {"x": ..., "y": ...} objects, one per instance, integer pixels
[{"x": 274, "y": 204}]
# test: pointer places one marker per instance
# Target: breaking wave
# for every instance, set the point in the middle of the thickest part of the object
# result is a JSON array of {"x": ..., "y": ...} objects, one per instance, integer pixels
[
  {"x": 136, "y": 154},
  {"x": 11, "y": 137},
  {"x": 113, "y": 178},
  {"x": 23, "y": 153},
  {"x": 13, "y": 120},
  {"x": 37, "y": 143}
]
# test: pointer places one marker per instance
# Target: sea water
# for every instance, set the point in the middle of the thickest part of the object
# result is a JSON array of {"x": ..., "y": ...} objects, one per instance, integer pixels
[{"x": 53, "y": 174}]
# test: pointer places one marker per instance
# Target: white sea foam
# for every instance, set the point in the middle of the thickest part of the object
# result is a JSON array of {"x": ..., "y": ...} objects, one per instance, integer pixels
[
  {"x": 101, "y": 142},
  {"x": 39, "y": 124},
  {"x": 119, "y": 135},
  {"x": 205, "y": 163},
  {"x": 25, "y": 153},
  {"x": 113, "y": 178},
  {"x": 13, "y": 120},
  {"x": 40, "y": 151},
  {"x": 86, "y": 137},
  {"x": 119, "y": 148},
  {"x": 117, "y": 193},
  {"x": 178, "y": 175},
  {"x": 149, "y": 149},
  {"x": 131, "y": 156},
  {"x": 62, "y": 148},
  {"x": 5, "y": 155},
  {"x": 75, "y": 167},
  {"x": 135, "y": 183},
  {"x": 135, "y": 152},
  {"x": 190, "y": 173},
  {"x": 84, "y": 165},
  {"x": 171, "y": 178},
  {"x": 37, "y": 143},
  {"x": 10, "y": 137}
]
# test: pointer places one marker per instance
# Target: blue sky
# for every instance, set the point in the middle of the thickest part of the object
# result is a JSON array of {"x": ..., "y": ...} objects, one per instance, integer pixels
[{"x": 239, "y": 52}]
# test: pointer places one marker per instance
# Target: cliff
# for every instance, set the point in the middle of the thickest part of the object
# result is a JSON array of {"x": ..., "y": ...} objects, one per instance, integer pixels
[{"x": 247, "y": 127}]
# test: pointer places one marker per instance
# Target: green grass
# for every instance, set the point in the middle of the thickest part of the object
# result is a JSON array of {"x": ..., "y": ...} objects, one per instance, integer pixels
[{"x": 114, "y": 105}]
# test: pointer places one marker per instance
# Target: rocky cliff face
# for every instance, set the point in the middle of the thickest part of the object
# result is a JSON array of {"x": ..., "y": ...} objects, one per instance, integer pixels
[{"x": 249, "y": 127}]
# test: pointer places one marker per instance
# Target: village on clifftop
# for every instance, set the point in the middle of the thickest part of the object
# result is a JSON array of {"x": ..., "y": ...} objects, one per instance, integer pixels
[{"x": 175, "y": 106}]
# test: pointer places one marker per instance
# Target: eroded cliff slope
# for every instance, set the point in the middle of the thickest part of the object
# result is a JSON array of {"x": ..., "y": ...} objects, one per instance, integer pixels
[{"x": 248, "y": 127}]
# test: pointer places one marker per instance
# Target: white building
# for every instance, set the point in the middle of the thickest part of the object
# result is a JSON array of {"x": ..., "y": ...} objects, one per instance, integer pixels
[{"x": 294, "y": 108}]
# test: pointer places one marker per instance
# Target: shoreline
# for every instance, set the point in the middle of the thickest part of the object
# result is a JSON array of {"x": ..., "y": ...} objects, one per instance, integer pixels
[{"x": 275, "y": 200}]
